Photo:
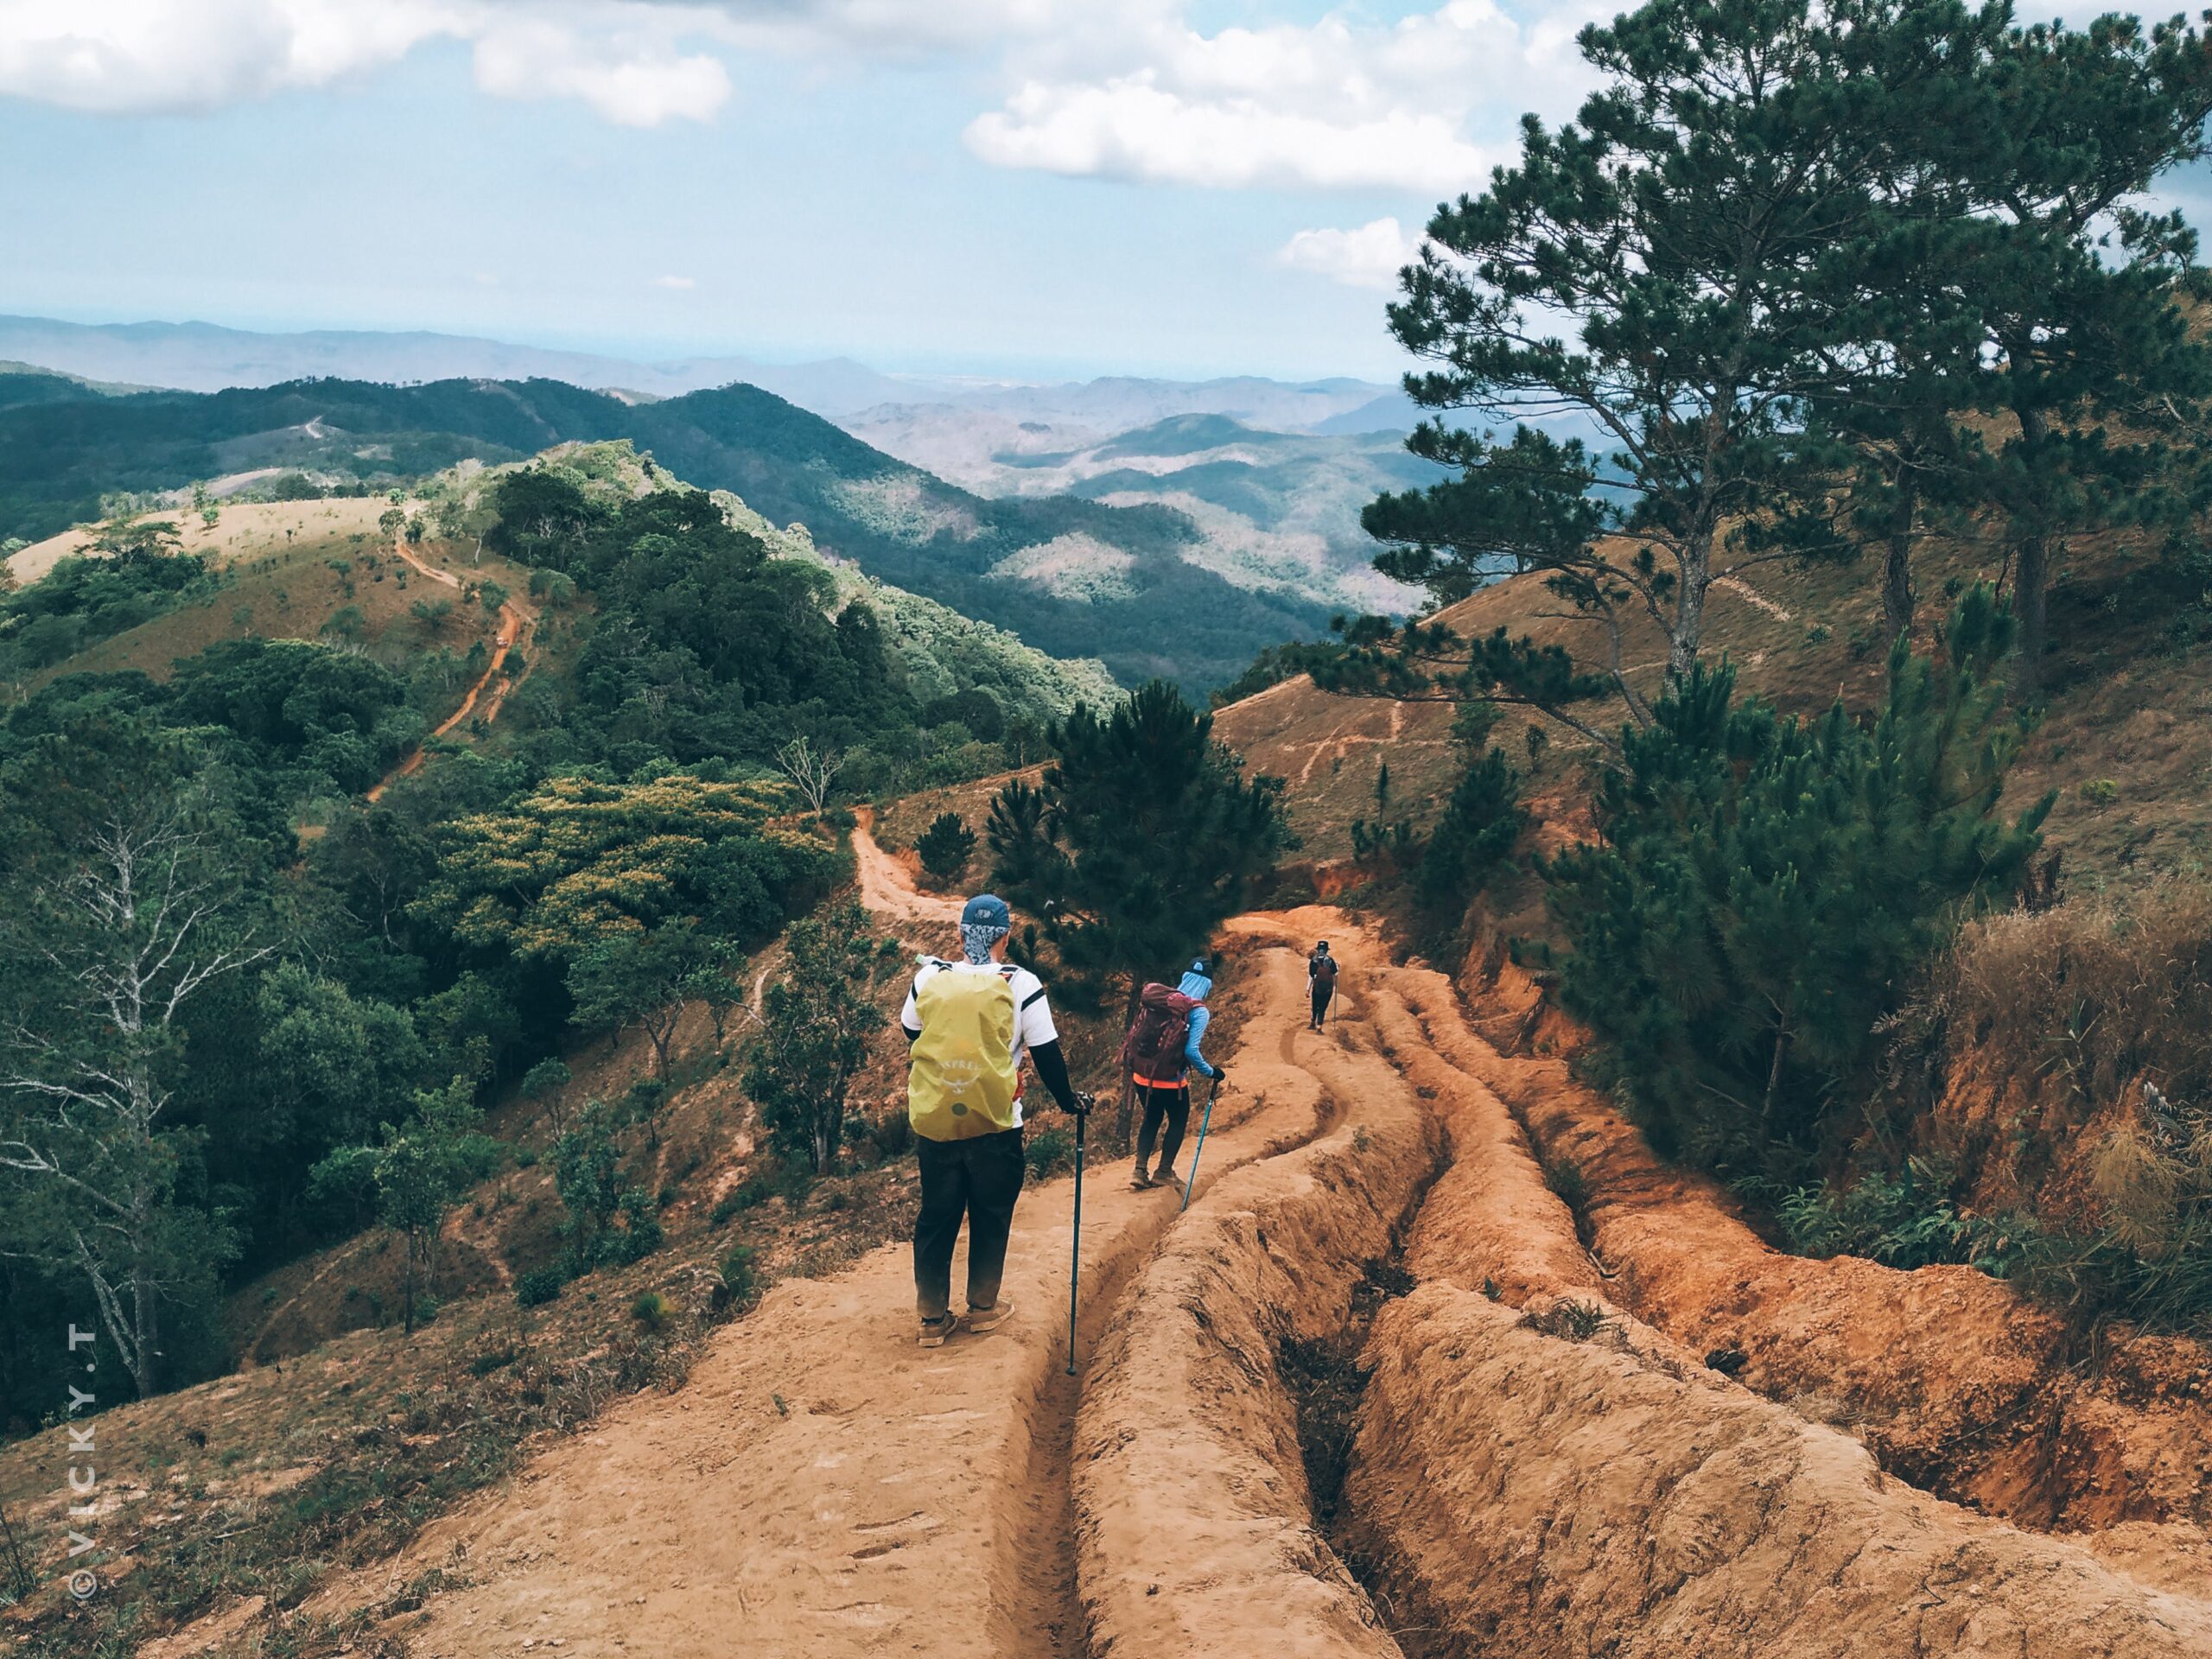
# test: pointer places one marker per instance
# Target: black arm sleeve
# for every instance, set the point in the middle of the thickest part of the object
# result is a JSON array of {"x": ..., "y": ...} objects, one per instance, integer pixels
[{"x": 1052, "y": 1070}]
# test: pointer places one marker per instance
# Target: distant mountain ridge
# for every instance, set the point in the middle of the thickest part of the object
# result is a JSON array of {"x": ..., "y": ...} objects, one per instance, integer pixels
[
  {"x": 207, "y": 357},
  {"x": 1278, "y": 509},
  {"x": 1136, "y": 586}
]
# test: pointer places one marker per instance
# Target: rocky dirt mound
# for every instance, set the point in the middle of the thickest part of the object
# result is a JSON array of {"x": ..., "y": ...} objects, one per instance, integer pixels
[{"x": 1623, "y": 1496}]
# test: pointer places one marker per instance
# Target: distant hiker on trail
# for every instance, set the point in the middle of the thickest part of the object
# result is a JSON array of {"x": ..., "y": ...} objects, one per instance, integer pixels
[
  {"x": 1161, "y": 1046},
  {"x": 1320, "y": 983},
  {"x": 968, "y": 1025}
]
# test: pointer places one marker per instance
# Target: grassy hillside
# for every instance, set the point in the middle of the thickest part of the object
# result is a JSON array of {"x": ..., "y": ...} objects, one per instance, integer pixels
[
  {"x": 2126, "y": 737},
  {"x": 62, "y": 449},
  {"x": 324, "y": 570}
]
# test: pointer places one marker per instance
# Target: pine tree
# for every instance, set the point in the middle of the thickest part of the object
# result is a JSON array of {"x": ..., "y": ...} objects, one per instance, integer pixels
[
  {"x": 1481, "y": 822},
  {"x": 1684, "y": 229},
  {"x": 1764, "y": 888},
  {"x": 1143, "y": 837},
  {"x": 945, "y": 848}
]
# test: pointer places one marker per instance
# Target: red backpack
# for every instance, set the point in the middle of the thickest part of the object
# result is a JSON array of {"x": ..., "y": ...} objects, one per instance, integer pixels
[{"x": 1153, "y": 1051}]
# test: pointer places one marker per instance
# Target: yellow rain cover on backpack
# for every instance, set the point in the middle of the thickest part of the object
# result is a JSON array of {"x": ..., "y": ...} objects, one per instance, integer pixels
[{"x": 962, "y": 1080}]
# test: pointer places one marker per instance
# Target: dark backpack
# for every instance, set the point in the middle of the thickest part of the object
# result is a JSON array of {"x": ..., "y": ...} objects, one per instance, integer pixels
[
  {"x": 1154, "y": 1048},
  {"x": 1324, "y": 970}
]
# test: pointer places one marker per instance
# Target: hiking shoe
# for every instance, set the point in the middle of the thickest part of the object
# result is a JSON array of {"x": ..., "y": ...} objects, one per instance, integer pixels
[
  {"x": 990, "y": 1318},
  {"x": 1168, "y": 1178},
  {"x": 934, "y": 1332},
  {"x": 1141, "y": 1180}
]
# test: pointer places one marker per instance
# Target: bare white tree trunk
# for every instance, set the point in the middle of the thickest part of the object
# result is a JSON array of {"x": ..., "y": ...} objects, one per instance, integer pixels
[
  {"x": 133, "y": 946},
  {"x": 810, "y": 772}
]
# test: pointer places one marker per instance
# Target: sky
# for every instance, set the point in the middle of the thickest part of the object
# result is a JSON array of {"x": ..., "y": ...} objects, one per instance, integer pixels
[{"x": 1020, "y": 188}]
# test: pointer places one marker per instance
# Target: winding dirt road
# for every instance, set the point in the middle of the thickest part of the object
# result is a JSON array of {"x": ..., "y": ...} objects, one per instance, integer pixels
[
  {"x": 488, "y": 690},
  {"x": 886, "y": 889},
  {"x": 1531, "y": 1468}
]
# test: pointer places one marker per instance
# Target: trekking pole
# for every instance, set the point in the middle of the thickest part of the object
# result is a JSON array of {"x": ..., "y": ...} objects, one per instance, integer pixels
[
  {"x": 1074, "y": 1271},
  {"x": 1199, "y": 1151}
]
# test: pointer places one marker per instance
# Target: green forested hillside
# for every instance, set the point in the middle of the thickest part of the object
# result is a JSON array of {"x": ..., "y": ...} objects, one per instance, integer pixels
[
  {"x": 350, "y": 959},
  {"x": 62, "y": 449}
]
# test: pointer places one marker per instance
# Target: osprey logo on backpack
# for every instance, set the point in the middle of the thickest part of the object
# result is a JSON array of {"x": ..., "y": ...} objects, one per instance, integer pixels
[{"x": 962, "y": 1082}]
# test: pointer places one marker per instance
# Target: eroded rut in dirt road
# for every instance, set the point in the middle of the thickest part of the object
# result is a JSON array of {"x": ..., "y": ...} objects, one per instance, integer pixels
[
  {"x": 1622, "y": 1496},
  {"x": 1541, "y": 1461}
]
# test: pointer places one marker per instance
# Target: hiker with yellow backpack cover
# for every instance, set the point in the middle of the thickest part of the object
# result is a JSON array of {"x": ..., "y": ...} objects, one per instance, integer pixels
[{"x": 969, "y": 1023}]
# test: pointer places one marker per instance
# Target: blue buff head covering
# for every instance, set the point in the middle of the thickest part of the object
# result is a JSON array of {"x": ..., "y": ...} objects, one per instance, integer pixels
[
  {"x": 1199, "y": 982},
  {"x": 983, "y": 922}
]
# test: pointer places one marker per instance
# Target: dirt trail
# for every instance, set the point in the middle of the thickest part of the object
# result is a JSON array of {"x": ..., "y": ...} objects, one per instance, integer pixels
[
  {"x": 1195, "y": 1532},
  {"x": 820, "y": 1486},
  {"x": 1537, "y": 1470},
  {"x": 888, "y": 890},
  {"x": 489, "y": 688}
]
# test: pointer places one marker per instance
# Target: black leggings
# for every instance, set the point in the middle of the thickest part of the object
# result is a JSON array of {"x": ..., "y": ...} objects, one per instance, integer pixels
[
  {"x": 978, "y": 1179},
  {"x": 1323, "y": 990},
  {"x": 1174, "y": 1106}
]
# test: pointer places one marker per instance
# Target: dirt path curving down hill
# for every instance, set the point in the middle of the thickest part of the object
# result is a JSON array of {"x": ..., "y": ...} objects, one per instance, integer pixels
[
  {"x": 888, "y": 890},
  {"x": 483, "y": 698},
  {"x": 1527, "y": 1466}
]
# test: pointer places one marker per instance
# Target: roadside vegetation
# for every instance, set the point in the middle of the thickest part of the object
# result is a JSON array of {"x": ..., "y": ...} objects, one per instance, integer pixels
[{"x": 1763, "y": 899}]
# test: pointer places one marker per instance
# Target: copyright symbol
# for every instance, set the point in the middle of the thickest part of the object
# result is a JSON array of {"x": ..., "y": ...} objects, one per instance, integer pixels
[{"x": 83, "y": 1585}]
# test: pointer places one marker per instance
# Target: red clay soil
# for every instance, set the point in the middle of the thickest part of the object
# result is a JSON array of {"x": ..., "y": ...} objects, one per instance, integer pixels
[
  {"x": 1195, "y": 1532},
  {"x": 1950, "y": 1377},
  {"x": 1552, "y": 1497},
  {"x": 1538, "y": 1494},
  {"x": 821, "y": 1486}
]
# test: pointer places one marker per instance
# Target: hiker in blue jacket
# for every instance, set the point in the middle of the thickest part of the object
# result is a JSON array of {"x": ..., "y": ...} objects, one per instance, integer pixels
[{"x": 1159, "y": 1065}]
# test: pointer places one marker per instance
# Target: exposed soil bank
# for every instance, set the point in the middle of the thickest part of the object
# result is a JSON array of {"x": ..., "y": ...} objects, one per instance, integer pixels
[
  {"x": 1561, "y": 1497},
  {"x": 1195, "y": 1532},
  {"x": 1955, "y": 1381},
  {"x": 1538, "y": 1494}
]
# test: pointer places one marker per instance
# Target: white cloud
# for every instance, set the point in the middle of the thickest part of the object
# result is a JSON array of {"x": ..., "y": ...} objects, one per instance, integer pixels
[
  {"x": 631, "y": 79},
  {"x": 1134, "y": 129},
  {"x": 1428, "y": 103},
  {"x": 674, "y": 282},
  {"x": 1127, "y": 89},
  {"x": 1369, "y": 256},
  {"x": 172, "y": 56}
]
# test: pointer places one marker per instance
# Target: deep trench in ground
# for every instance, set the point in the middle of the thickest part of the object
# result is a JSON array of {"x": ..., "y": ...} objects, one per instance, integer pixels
[{"x": 1325, "y": 1379}]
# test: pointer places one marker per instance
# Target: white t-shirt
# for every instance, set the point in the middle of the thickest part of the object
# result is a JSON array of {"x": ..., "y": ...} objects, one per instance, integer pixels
[{"x": 1033, "y": 1015}]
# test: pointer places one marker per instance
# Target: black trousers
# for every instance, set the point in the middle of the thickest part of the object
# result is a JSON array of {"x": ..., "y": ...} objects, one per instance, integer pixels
[
  {"x": 1171, "y": 1106},
  {"x": 977, "y": 1178},
  {"x": 1322, "y": 993}
]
